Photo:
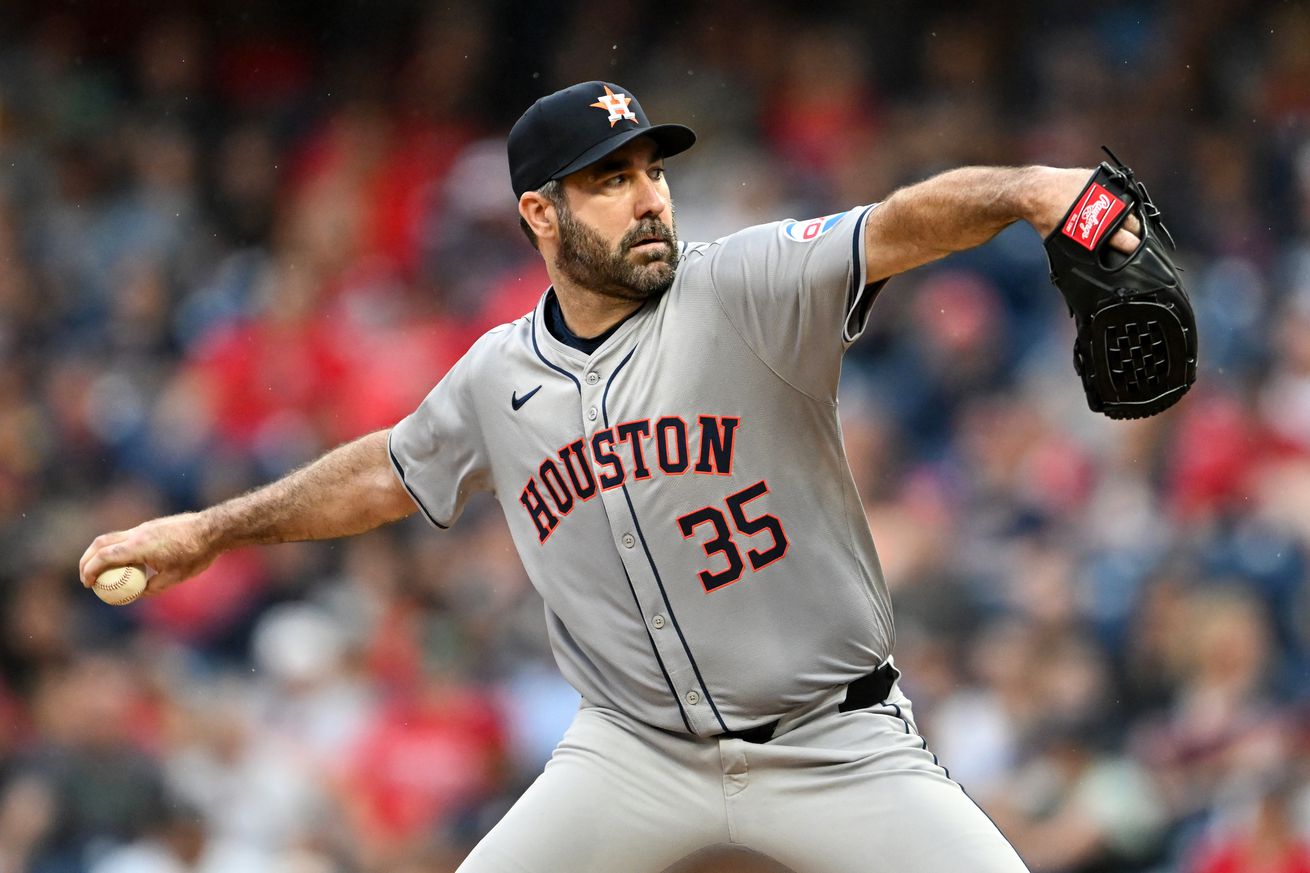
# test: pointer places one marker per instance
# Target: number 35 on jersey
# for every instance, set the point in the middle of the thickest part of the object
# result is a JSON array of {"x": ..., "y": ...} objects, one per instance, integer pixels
[{"x": 669, "y": 446}]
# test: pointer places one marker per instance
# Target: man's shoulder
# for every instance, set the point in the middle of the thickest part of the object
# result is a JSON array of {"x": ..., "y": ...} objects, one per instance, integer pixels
[
  {"x": 693, "y": 251},
  {"x": 497, "y": 342},
  {"x": 509, "y": 332},
  {"x": 750, "y": 238}
]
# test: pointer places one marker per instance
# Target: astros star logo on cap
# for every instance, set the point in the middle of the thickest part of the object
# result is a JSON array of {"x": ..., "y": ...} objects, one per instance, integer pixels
[{"x": 617, "y": 106}]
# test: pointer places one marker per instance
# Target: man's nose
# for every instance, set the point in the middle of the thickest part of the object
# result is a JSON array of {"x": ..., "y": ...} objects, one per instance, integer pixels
[{"x": 650, "y": 200}]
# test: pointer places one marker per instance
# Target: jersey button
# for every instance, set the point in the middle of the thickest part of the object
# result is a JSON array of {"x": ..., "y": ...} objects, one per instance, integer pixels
[
  {"x": 593, "y": 378},
  {"x": 693, "y": 697},
  {"x": 591, "y": 413},
  {"x": 629, "y": 541},
  {"x": 657, "y": 622}
]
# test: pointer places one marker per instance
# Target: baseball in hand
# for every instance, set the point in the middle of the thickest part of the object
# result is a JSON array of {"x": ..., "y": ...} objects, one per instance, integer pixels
[{"x": 119, "y": 586}]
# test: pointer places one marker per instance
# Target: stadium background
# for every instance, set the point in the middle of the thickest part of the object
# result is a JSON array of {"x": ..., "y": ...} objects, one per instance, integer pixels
[{"x": 232, "y": 236}]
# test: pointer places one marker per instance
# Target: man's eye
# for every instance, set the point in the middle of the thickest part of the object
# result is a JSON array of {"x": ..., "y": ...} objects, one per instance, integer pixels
[
  {"x": 614, "y": 181},
  {"x": 657, "y": 173}
]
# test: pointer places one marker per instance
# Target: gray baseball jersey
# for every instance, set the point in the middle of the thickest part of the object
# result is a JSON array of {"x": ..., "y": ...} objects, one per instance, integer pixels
[{"x": 681, "y": 497}]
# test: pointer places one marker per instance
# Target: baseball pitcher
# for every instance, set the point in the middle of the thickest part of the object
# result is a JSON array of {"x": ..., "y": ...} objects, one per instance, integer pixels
[{"x": 661, "y": 432}]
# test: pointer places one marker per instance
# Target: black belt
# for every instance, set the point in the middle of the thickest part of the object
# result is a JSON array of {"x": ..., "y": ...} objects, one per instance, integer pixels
[{"x": 866, "y": 691}]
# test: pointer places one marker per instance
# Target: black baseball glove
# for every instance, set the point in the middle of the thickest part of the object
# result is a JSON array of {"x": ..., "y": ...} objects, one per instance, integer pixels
[{"x": 1136, "y": 345}]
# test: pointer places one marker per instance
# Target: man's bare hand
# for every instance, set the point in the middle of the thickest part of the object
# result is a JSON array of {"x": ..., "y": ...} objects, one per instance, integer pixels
[
  {"x": 1051, "y": 194},
  {"x": 173, "y": 548}
]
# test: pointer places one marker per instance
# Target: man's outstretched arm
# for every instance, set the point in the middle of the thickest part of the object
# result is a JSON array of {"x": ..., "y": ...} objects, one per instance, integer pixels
[
  {"x": 963, "y": 208},
  {"x": 349, "y": 490}
]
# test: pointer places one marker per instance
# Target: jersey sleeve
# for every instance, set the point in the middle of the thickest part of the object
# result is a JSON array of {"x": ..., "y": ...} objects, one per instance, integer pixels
[
  {"x": 795, "y": 292},
  {"x": 438, "y": 452}
]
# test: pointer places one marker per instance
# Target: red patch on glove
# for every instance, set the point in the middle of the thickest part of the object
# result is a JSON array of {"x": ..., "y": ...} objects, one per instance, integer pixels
[{"x": 1095, "y": 212}]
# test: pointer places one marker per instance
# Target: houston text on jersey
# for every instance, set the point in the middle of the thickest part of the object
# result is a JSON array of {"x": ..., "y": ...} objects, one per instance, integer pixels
[{"x": 634, "y": 449}]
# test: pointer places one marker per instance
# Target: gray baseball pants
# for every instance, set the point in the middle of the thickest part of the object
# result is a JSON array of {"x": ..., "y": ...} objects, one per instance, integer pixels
[{"x": 832, "y": 792}]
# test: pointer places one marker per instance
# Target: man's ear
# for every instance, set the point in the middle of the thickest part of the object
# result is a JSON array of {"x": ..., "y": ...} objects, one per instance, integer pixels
[{"x": 539, "y": 213}]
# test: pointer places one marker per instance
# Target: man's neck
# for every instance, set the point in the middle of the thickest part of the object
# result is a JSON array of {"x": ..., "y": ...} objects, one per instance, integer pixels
[{"x": 589, "y": 314}]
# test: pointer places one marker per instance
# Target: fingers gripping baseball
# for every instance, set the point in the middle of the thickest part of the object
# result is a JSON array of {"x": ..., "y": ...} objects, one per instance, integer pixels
[{"x": 173, "y": 549}]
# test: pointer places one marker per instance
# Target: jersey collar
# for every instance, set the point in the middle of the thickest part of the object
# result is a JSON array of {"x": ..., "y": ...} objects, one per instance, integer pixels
[{"x": 561, "y": 353}]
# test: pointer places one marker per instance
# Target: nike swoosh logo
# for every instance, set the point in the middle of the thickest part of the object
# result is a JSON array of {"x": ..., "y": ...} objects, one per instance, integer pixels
[{"x": 516, "y": 401}]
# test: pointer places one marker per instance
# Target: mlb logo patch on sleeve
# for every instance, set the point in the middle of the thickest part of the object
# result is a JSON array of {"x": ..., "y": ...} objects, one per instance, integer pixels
[
  {"x": 1095, "y": 212},
  {"x": 810, "y": 229}
]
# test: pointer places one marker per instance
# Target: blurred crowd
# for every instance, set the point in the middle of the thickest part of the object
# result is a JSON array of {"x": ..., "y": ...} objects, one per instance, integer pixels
[{"x": 233, "y": 236}]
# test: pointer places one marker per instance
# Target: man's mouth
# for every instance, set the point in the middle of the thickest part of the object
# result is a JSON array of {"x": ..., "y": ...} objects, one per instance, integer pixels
[{"x": 647, "y": 242}]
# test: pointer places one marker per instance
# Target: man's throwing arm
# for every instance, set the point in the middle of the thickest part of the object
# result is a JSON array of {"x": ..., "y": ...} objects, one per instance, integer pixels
[{"x": 349, "y": 490}]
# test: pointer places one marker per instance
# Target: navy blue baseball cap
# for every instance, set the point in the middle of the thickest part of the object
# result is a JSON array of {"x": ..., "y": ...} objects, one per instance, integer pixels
[{"x": 571, "y": 129}]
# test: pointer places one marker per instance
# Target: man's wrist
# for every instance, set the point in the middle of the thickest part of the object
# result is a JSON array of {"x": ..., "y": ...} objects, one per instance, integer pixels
[
  {"x": 1047, "y": 193},
  {"x": 1028, "y": 191},
  {"x": 213, "y": 529}
]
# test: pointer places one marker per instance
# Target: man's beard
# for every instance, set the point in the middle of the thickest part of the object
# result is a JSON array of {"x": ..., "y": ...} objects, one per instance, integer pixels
[{"x": 584, "y": 259}]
